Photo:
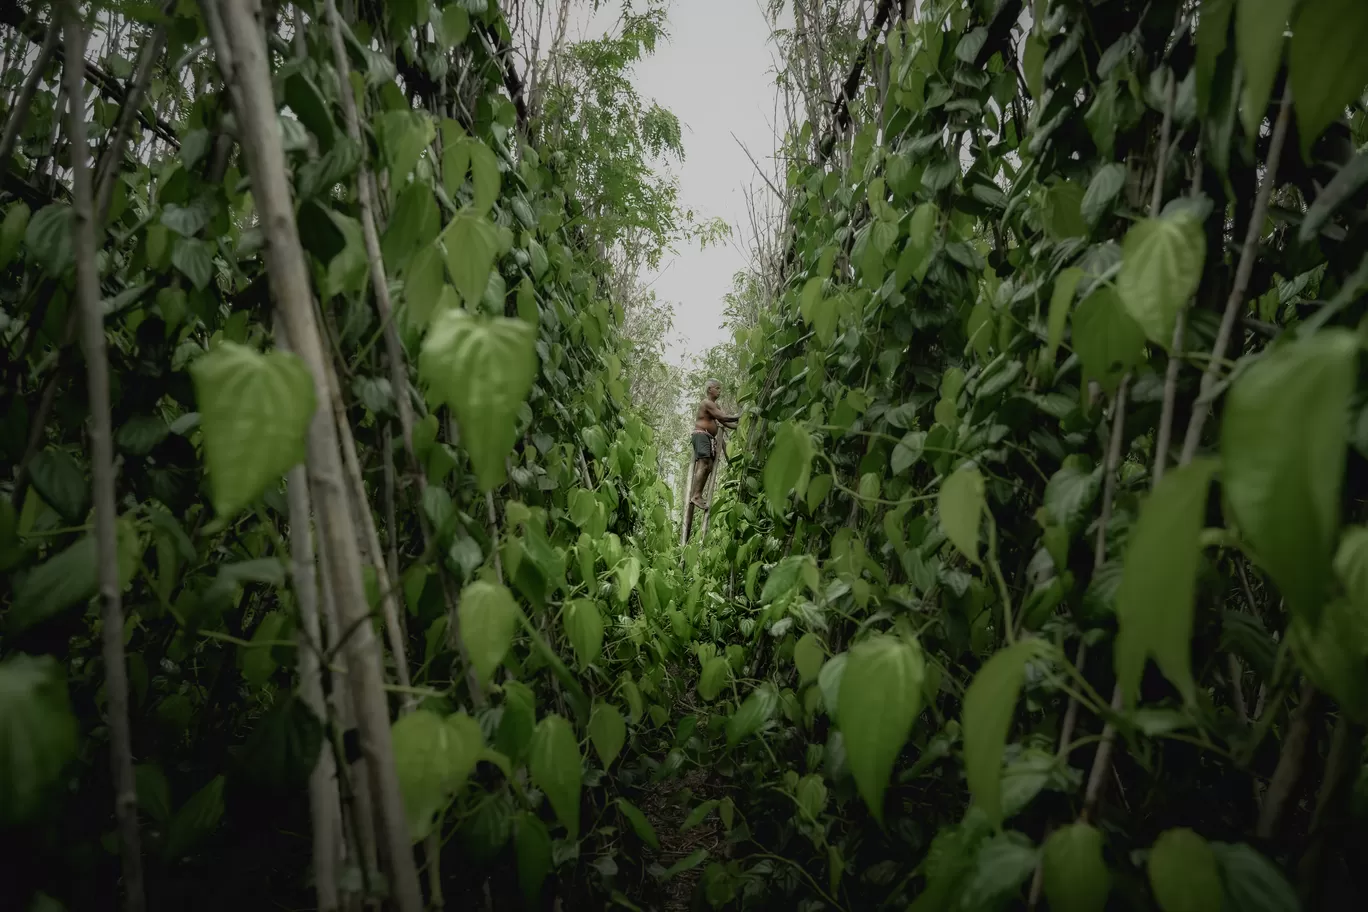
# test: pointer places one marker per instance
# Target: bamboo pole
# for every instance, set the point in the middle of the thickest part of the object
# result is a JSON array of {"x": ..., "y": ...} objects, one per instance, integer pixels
[
  {"x": 289, "y": 280},
  {"x": 102, "y": 469}
]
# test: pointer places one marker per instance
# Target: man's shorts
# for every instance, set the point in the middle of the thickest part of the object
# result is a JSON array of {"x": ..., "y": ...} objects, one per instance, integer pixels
[{"x": 702, "y": 445}]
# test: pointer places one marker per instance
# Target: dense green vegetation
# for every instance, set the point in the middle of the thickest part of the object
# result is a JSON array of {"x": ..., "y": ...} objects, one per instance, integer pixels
[{"x": 341, "y": 569}]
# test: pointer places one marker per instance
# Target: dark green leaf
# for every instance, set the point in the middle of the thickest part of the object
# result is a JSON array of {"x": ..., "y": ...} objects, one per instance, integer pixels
[
  {"x": 38, "y": 733},
  {"x": 1283, "y": 442}
]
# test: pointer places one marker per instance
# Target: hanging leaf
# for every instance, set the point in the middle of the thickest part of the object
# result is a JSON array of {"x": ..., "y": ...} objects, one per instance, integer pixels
[
  {"x": 960, "y": 507},
  {"x": 62, "y": 484},
  {"x": 789, "y": 465},
  {"x": 1061, "y": 302},
  {"x": 1283, "y": 440},
  {"x": 556, "y": 768},
  {"x": 753, "y": 714},
  {"x": 1155, "y": 601},
  {"x": 68, "y": 579},
  {"x": 879, "y": 699},
  {"x": 484, "y": 369},
  {"x": 432, "y": 757},
  {"x": 472, "y": 244},
  {"x": 1104, "y": 187},
  {"x": 607, "y": 732},
  {"x": 533, "y": 847},
  {"x": 1183, "y": 873},
  {"x": 989, "y": 705},
  {"x": 195, "y": 260},
  {"x": 1252, "y": 882},
  {"x": 1075, "y": 876},
  {"x": 640, "y": 825},
  {"x": 1106, "y": 339},
  {"x": 47, "y": 237},
  {"x": 808, "y": 656},
  {"x": 489, "y": 617},
  {"x": 1259, "y": 27},
  {"x": 196, "y": 819},
  {"x": 715, "y": 674},
  {"x": 1326, "y": 64},
  {"x": 38, "y": 734},
  {"x": 921, "y": 243},
  {"x": 412, "y": 228},
  {"x": 12, "y": 231},
  {"x": 584, "y": 627},
  {"x": 403, "y": 136},
  {"x": 1161, "y": 266},
  {"x": 254, "y": 416}
]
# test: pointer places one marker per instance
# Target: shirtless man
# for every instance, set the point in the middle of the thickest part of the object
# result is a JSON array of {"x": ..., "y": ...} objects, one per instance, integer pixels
[{"x": 710, "y": 415}]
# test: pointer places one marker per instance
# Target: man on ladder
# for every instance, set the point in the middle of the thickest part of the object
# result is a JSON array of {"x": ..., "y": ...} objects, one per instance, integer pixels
[{"x": 709, "y": 416}]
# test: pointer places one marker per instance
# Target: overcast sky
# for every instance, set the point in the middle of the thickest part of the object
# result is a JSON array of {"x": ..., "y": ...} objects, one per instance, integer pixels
[{"x": 716, "y": 74}]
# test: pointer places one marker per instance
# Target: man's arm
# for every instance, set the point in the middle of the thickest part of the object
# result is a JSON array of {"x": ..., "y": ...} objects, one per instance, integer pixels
[{"x": 715, "y": 412}]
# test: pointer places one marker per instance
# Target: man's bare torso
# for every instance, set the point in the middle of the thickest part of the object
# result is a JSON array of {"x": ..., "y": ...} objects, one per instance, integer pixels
[{"x": 708, "y": 413}]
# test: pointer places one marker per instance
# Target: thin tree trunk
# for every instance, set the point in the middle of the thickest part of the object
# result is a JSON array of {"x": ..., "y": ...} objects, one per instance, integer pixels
[
  {"x": 102, "y": 471},
  {"x": 394, "y": 349},
  {"x": 289, "y": 279},
  {"x": 107, "y": 171},
  {"x": 19, "y": 112},
  {"x": 325, "y": 810}
]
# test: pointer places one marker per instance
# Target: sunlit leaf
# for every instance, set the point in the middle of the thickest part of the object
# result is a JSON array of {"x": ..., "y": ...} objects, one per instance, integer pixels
[
  {"x": 254, "y": 416},
  {"x": 556, "y": 767},
  {"x": 880, "y": 697}
]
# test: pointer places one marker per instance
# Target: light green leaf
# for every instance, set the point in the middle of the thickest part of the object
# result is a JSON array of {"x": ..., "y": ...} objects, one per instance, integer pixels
[
  {"x": 812, "y": 796},
  {"x": 921, "y": 241},
  {"x": 488, "y": 618},
  {"x": 1283, "y": 439},
  {"x": 1154, "y": 603},
  {"x": 1061, "y": 302},
  {"x": 1183, "y": 873},
  {"x": 1075, "y": 876},
  {"x": 1161, "y": 266},
  {"x": 716, "y": 672},
  {"x": 254, "y": 417},
  {"x": 432, "y": 757},
  {"x": 989, "y": 705},
  {"x": 756, "y": 710},
  {"x": 1326, "y": 65},
  {"x": 483, "y": 367},
  {"x": 38, "y": 733},
  {"x": 639, "y": 823},
  {"x": 1105, "y": 338},
  {"x": 789, "y": 465},
  {"x": 403, "y": 135},
  {"x": 607, "y": 732},
  {"x": 808, "y": 656},
  {"x": 584, "y": 627},
  {"x": 472, "y": 244},
  {"x": 484, "y": 175},
  {"x": 1259, "y": 27},
  {"x": 452, "y": 28},
  {"x": 556, "y": 768},
  {"x": 960, "y": 506},
  {"x": 879, "y": 698},
  {"x": 532, "y": 842},
  {"x": 423, "y": 284}
]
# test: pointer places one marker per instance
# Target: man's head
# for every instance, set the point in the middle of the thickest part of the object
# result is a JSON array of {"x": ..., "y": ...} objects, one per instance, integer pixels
[{"x": 714, "y": 389}]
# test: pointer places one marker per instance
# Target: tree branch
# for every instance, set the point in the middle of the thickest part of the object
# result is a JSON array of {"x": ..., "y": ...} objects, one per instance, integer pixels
[{"x": 102, "y": 472}]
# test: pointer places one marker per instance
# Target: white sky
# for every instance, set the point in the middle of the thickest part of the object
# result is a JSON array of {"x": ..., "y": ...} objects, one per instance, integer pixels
[{"x": 716, "y": 74}]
